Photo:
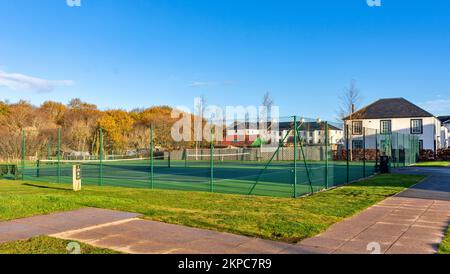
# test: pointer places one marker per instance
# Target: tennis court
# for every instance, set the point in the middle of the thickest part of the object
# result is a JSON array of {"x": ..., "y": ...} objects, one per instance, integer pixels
[
  {"x": 236, "y": 177},
  {"x": 295, "y": 164}
]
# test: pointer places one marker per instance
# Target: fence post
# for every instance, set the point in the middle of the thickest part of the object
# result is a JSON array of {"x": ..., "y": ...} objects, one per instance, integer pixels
[
  {"x": 152, "y": 164},
  {"x": 48, "y": 150},
  {"x": 295, "y": 156},
  {"x": 327, "y": 143},
  {"x": 211, "y": 160},
  {"x": 59, "y": 156},
  {"x": 23, "y": 154},
  {"x": 398, "y": 149},
  {"x": 404, "y": 150},
  {"x": 348, "y": 152},
  {"x": 364, "y": 153},
  {"x": 377, "y": 153},
  {"x": 101, "y": 157}
]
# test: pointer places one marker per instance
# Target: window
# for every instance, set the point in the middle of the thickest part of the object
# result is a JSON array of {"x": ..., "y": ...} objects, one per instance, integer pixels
[
  {"x": 416, "y": 126},
  {"x": 311, "y": 134},
  {"x": 385, "y": 126},
  {"x": 357, "y": 144},
  {"x": 357, "y": 128},
  {"x": 421, "y": 144}
]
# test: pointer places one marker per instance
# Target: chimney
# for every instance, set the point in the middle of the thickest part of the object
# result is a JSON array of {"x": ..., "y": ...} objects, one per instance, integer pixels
[{"x": 353, "y": 108}]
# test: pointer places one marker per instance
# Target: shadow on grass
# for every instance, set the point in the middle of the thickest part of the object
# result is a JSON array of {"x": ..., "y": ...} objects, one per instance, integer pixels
[{"x": 47, "y": 187}]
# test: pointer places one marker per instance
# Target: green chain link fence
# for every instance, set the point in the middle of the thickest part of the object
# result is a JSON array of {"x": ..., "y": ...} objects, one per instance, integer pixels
[{"x": 291, "y": 158}]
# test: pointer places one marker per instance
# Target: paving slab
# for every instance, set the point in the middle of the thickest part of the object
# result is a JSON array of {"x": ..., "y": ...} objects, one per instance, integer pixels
[
  {"x": 412, "y": 222},
  {"x": 150, "y": 237},
  {"x": 22, "y": 229}
]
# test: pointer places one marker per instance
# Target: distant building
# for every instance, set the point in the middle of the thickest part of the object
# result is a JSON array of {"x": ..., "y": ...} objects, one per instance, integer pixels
[{"x": 312, "y": 133}]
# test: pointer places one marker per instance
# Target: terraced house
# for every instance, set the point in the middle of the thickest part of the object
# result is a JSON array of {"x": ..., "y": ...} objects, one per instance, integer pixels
[{"x": 398, "y": 115}]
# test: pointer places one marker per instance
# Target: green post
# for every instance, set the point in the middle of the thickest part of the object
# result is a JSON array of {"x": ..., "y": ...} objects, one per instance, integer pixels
[
  {"x": 295, "y": 156},
  {"x": 59, "y": 155},
  {"x": 398, "y": 150},
  {"x": 377, "y": 152},
  {"x": 101, "y": 157},
  {"x": 23, "y": 153},
  {"x": 348, "y": 153},
  {"x": 48, "y": 150},
  {"x": 211, "y": 160},
  {"x": 404, "y": 150},
  {"x": 364, "y": 152},
  {"x": 327, "y": 143},
  {"x": 152, "y": 164}
]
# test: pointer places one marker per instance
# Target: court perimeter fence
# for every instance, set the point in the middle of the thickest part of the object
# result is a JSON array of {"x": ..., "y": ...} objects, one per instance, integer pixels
[{"x": 292, "y": 157}]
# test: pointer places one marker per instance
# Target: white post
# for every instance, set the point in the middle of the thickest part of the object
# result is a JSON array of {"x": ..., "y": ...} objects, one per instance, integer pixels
[{"x": 76, "y": 177}]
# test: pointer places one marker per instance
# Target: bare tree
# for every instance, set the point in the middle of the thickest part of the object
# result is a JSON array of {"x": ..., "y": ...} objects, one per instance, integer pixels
[
  {"x": 200, "y": 107},
  {"x": 350, "y": 99}
]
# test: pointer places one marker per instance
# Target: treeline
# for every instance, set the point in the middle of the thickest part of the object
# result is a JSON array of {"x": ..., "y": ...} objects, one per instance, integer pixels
[{"x": 80, "y": 122}]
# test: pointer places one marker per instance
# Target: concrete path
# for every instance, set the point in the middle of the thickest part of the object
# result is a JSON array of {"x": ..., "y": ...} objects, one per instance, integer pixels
[
  {"x": 22, "y": 229},
  {"x": 123, "y": 231},
  {"x": 413, "y": 222},
  {"x": 149, "y": 237}
]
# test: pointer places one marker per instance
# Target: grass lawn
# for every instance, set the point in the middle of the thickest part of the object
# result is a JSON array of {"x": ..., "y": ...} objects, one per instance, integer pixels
[
  {"x": 282, "y": 219},
  {"x": 445, "y": 245},
  {"x": 434, "y": 164},
  {"x": 48, "y": 245}
]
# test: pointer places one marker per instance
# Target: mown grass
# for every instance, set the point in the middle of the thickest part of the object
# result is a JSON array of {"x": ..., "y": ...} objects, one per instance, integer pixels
[
  {"x": 434, "y": 164},
  {"x": 49, "y": 245},
  {"x": 282, "y": 219},
  {"x": 444, "y": 248}
]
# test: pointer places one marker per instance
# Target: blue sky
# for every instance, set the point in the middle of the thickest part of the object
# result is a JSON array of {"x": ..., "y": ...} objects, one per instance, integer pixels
[{"x": 127, "y": 54}]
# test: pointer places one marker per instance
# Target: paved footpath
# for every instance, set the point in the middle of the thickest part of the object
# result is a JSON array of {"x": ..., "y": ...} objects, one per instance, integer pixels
[
  {"x": 123, "y": 231},
  {"x": 22, "y": 229},
  {"x": 412, "y": 222},
  {"x": 149, "y": 237}
]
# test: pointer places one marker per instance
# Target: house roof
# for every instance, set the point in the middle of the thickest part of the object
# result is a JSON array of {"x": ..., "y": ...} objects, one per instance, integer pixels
[
  {"x": 444, "y": 119},
  {"x": 390, "y": 108}
]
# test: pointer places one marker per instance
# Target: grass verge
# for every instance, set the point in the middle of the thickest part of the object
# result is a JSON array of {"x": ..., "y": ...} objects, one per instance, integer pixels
[
  {"x": 444, "y": 248},
  {"x": 281, "y": 219},
  {"x": 49, "y": 245},
  {"x": 434, "y": 164}
]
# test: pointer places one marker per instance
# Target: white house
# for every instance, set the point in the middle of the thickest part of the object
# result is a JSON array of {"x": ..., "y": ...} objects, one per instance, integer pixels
[
  {"x": 398, "y": 115},
  {"x": 445, "y": 131},
  {"x": 312, "y": 132}
]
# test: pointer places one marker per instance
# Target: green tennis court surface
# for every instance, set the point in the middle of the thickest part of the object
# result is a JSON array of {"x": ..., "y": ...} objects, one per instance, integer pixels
[{"x": 234, "y": 177}]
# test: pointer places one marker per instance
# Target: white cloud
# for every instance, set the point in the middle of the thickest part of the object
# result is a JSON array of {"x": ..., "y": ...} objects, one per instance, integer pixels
[
  {"x": 437, "y": 107},
  {"x": 200, "y": 84},
  {"x": 17, "y": 81}
]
